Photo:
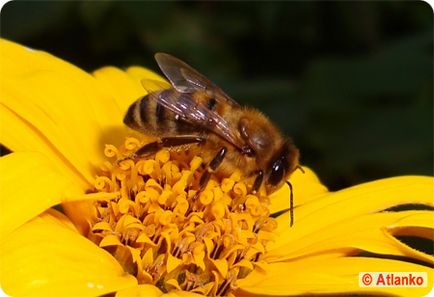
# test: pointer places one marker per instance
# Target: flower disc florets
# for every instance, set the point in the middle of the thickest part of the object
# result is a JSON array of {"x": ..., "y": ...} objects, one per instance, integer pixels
[{"x": 165, "y": 232}]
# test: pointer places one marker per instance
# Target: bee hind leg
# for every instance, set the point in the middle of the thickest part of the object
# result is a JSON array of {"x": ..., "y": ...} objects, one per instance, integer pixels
[{"x": 153, "y": 147}]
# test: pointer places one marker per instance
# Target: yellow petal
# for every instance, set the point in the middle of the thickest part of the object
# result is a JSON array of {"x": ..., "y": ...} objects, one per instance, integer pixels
[
  {"x": 343, "y": 206},
  {"x": 45, "y": 258},
  {"x": 367, "y": 233},
  {"x": 424, "y": 219},
  {"x": 419, "y": 226},
  {"x": 138, "y": 74},
  {"x": 329, "y": 275},
  {"x": 81, "y": 213},
  {"x": 22, "y": 136},
  {"x": 61, "y": 105},
  {"x": 306, "y": 187},
  {"x": 140, "y": 291},
  {"x": 123, "y": 86},
  {"x": 28, "y": 186},
  {"x": 55, "y": 217}
]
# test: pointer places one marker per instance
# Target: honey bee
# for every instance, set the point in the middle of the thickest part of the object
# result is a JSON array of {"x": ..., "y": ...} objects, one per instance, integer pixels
[{"x": 193, "y": 112}]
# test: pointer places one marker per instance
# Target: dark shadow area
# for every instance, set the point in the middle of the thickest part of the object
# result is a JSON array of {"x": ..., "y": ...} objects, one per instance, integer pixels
[{"x": 351, "y": 82}]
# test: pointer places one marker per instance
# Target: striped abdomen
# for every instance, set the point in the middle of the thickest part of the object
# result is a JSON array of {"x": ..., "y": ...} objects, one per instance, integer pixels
[{"x": 149, "y": 116}]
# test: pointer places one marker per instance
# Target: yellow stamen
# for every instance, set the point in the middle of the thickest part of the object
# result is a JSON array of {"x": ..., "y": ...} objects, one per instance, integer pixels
[{"x": 166, "y": 231}]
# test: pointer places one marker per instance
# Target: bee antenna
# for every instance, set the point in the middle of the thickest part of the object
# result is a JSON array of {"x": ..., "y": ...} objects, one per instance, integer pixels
[
  {"x": 291, "y": 204},
  {"x": 301, "y": 168}
]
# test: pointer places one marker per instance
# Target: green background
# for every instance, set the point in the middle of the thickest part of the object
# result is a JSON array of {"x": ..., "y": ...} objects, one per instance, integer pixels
[{"x": 351, "y": 82}]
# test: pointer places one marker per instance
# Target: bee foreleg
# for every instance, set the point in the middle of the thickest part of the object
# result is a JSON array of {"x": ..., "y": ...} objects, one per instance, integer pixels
[
  {"x": 258, "y": 181},
  {"x": 153, "y": 147}
]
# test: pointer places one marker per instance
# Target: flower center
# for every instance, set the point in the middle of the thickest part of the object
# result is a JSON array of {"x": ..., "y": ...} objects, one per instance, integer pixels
[{"x": 166, "y": 232}]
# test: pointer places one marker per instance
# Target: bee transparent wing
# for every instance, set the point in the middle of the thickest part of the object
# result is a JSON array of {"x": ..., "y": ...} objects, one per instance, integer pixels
[
  {"x": 199, "y": 115},
  {"x": 185, "y": 79},
  {"x": 152, "y": 85}
]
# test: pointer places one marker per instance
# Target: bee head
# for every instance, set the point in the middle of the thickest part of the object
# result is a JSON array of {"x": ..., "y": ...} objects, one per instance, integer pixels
[{"x": 283, "y": 163}]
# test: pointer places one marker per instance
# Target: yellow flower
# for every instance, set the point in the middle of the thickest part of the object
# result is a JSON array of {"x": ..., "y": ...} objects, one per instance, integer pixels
[{"x": 136, "y": 227}]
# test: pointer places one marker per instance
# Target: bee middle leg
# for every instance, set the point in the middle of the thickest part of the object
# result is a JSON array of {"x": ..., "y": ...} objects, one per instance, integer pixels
[{"x": 213, "y": 165}]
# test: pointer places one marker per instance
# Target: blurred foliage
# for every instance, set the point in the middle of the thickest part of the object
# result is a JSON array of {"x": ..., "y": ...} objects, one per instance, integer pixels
[{"x": 352, "y": 82}]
